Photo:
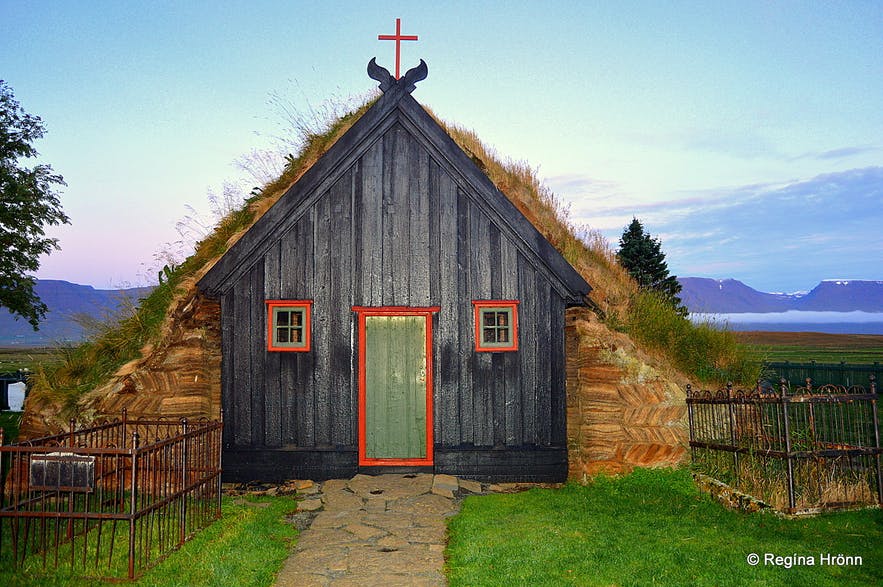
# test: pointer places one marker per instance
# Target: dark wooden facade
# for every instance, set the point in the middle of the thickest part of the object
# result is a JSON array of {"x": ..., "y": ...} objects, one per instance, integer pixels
[{"x": 395, "y": 215}]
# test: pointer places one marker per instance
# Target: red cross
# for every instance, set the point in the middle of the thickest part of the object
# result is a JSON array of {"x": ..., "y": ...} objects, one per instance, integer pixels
[{"x": 398, "y": 38}]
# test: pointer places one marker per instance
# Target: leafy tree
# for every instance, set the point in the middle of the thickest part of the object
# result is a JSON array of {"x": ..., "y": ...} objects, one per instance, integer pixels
[
  {"x": 28, "y": 203},
  {"x": 642, "y": 256}
]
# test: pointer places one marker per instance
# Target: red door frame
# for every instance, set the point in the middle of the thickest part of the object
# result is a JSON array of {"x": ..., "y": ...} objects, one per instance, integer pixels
[{"x": 363, "y": 312}]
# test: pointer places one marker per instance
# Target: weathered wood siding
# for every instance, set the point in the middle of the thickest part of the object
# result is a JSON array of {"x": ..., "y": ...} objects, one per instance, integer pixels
[{"x": 394, "y": 229}]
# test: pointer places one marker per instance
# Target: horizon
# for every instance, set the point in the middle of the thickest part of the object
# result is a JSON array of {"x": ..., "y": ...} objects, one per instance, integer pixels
[{"x": 752, "y": 154}]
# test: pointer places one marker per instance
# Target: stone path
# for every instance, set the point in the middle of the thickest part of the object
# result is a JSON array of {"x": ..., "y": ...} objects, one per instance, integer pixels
[{"x": 376, "y": 530}]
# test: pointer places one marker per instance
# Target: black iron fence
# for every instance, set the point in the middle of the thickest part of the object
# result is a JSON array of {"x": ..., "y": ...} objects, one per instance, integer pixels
[
  {"x": 845, "y": 374},
  {"x": 110, "y": 500},
  {"x": 798, "y": 449}
]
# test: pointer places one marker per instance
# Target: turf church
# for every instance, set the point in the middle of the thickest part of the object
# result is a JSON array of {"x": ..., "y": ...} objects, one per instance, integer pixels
[{"x": 394, "y": 311}]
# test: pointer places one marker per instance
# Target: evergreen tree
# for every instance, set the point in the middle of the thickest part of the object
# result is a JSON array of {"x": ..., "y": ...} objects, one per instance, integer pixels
[
  {"x": 643, "y": 258},
  {"x": 28, "y": 203}
]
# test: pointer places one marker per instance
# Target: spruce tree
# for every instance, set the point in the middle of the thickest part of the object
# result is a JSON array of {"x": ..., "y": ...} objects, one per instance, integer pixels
[{"x": 642, "y": 257}]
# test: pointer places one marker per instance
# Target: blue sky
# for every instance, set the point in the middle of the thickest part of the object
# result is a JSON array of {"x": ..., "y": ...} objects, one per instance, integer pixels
[{"x": 747, "y": 135}]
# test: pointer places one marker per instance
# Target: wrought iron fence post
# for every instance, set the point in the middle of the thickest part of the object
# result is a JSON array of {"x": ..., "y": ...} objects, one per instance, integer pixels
[
  {"x": 690, "y": 420},
  {"x": 876, "y": 438},
  {"x": 182, "y": 533},
  {"x": 731, "y": 409},
  {"x": 218, "y": 437},
  {"x": 784, "y": 403},
  {"x": 133, "y": 492}
]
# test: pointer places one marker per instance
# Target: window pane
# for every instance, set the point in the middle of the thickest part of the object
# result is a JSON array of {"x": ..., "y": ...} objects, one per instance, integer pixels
[
  {"x": 297, "y": 318},
  {"x": 281, "y": 318},
  {"x": 503, "y": 335},
  {"x": 296, "y": 335},
  {"x": 281, "y": 335},
  {"x": 490, "y": 335},
  {"x": 488, "y": 318},
  {"x": 502, "y": 318}
]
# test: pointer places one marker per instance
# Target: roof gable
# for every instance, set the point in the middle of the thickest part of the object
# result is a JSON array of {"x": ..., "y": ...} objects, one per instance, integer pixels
[{"x": 395, "y": 107}]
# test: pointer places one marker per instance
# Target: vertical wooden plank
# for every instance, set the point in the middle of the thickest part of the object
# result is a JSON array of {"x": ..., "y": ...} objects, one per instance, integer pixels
[
  {"x": 342, "y": 417},
  {"x": 480, "y": 271},
  {"x": 322, "y": 335},
  {"x": 445, "y": 282},
  {"x": 396, "y": 234},
  {"x": 511, "y": 399},
  {"x": 512, "y": 392},
  {"x": 418, "y": 229},
  {"x": 356, "y": 204},
  {"x": 297, "y": 261},
  {"x": 479, "y": 245},
  {"x": 371, "y": 227},
  {"x": 273, "y": 271},
  {"x": 495, "y": 262},
  {"x": 544, "y": 361},
  {"x": 500, "y": 380},
  {"x": 466, "y": 347},
  {"x": 228, "y": 370},
  {"x": 527, "y": 349},
  {"x": 558, "y": 434},
  {"x": 242, "y": 356},
  {"x": 508, "y": 270},
  {"x": 258, "y": 351},
  {"x": 290, "y": 392},
  {"x": 273, "y": 404}
]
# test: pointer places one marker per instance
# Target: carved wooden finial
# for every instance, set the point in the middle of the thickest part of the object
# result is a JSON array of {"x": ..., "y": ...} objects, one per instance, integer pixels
[
  {"x": 387, "y": 81},
  {"x": 380, "y": 74}
]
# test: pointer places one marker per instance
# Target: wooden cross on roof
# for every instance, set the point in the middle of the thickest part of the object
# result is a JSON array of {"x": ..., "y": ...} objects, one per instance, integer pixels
[{"x": 398, "y": 38}]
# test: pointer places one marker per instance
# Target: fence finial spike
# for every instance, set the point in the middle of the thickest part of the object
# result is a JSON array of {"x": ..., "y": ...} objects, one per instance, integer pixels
[
  {"x": 783, "y": 386},
  {"x": 872, "y": 377}
]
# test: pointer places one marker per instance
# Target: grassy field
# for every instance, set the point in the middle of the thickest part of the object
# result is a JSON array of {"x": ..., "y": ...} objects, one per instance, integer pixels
[
  {"x": 650, "y": 528},
  {"x": 245, "y": 548},
  {"x": 812, "y": 346},
  {"x": 13, "y": 358}
]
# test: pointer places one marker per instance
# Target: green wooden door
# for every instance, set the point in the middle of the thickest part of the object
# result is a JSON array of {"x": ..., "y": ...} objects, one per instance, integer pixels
[{"x": 395, "y": 387}]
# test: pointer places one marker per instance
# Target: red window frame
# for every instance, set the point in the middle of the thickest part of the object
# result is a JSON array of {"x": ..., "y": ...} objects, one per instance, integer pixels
[
  {"x": 307, "y": 306},
  {"x": 484, "y": 305}
]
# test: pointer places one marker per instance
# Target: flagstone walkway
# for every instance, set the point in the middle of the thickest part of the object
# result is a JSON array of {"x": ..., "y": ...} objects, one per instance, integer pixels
[{"x": 376, "y": 530}]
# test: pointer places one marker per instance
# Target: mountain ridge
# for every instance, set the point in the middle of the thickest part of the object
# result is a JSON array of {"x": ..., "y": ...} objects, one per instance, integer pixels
[
  {"x": 66, "y": 301},
  {"x": 731, "y": 296}
]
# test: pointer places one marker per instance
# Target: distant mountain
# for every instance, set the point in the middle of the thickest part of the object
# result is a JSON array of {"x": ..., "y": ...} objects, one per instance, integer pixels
[
  {"x": 65, "y": 301},
  {"x": 844, "y": 295},
  {"x": 729, "y": 296}
]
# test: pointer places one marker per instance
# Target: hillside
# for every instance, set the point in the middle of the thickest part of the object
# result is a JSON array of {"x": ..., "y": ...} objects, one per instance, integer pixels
[
  {"x": 68, "y": 303},
  {"x": 703, "y": 295}
]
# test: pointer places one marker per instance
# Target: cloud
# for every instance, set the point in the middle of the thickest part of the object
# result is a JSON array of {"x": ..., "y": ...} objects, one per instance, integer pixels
[
  {"x": 773, "y": 236},
  {"x": 840, "y": 153}
]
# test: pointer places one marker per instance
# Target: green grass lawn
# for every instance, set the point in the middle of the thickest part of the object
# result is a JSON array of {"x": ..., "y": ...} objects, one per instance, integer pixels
[
  {"x": 246, "y": 547},
  {"x": 650, "y": 527}
]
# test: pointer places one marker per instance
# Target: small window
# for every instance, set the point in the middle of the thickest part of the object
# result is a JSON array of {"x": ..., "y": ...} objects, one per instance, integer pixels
[
  {"x": 288, "y": 325},
  {"x": 496, "y": 326}
]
